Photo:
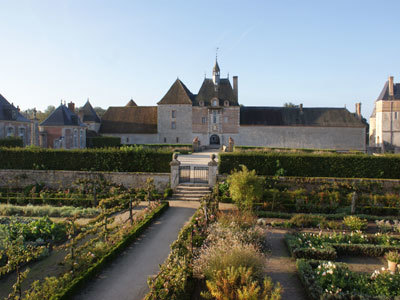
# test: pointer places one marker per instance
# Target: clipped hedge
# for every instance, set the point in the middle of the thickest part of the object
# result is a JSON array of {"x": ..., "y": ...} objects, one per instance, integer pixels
[
  {"x": 122, "y": 160},
  {"x": 103, "y": 142},
  {"x": 78, "y": 283},
  {"x": 11, "y": 142},
  {"x": 313, "y": 165}
]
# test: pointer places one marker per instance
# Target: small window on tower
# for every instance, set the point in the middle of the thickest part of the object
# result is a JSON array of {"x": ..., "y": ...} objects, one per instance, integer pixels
[
  {"x": 395, "y": 115},
  {"x": 203, "y": 120},
  {"x": 177, "y": 139},
  {"x": 173, "y": 125},
  {"x": 174, "y": 113},
  {"x": 165, "y": 140},
  {"x": 226, "y": 103}
]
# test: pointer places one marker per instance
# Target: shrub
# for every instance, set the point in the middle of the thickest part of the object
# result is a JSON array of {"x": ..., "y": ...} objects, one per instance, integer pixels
[
  {"x": 302, "y": 220},
  {"x": 313, "y": 165},
  {"x": 127, "y": 159},
  {"x": 11, "y": 142},
  {"x": 239, "y": 284},
  {"x": 355, "y": 223},
  {"x": 245, "y": 188},
  {"x": 103, "y": 142}
]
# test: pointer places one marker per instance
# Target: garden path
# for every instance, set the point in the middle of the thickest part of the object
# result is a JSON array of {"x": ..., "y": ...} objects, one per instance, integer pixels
[
  {"x": 126, "y": 277},
  {"x": 282, "y": 268}
]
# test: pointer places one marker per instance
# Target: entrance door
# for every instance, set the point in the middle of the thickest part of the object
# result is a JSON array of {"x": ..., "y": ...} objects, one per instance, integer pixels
[{"x": 214, "y": 140}]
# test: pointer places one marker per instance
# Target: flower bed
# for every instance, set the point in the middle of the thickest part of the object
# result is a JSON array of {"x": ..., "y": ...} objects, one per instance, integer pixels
[
  {"x": 327, "y": 280},
  {"x": 328, "y": 246}
]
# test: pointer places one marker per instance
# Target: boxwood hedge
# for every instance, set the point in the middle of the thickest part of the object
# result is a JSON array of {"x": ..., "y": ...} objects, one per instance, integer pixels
[
  {"x": 313, "y": 165},
  {"x": 122, "y": 160}
]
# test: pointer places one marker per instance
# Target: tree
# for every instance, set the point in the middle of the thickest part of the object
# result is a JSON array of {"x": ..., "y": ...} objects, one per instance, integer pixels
[{"x": 290, "y": 104}]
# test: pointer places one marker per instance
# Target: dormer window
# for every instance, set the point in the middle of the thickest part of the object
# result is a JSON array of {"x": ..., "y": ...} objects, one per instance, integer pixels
[
  {"x": 226, "y": 103},
  {"x": 201, "y": 103},
  {"x": 214, "y": 102}
]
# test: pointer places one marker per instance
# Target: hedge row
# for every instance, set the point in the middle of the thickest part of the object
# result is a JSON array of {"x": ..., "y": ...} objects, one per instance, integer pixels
[
  {"x": 78, "y": 283},
  {"x": 103, "y": 142},
  {"x": 313, "y": 165},
  {"x": 11, "y": 142},
  {"x": 122, "y": 160},
  {"x": 337, "y": 216}
]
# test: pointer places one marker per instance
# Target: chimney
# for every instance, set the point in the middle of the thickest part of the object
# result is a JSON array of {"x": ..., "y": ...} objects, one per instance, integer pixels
[
  {"x": 301, "y": 107},
  {"x": 235, "y": 87},
  {"x": 391, "y": 90},
  {"x": 358, "y": 110},
  {"x": 71, "y": 106}
]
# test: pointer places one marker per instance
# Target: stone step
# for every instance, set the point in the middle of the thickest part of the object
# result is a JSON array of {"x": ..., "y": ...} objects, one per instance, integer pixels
[
  {"x": 184, "y": 198},
  {"x": 193, "y": 185},
  {"x": 195, "y": 192}
]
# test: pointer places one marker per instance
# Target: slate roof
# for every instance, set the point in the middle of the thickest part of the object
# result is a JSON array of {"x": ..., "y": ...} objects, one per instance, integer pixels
[
  {"x": 129, "y": 119},
  {"x": 287, "y": 116},
  {"x": 88, "y": 114},
  {"x": 384, "y": 95},
  {"x": 177, "y": 94},
  {"x": 131, "y": 103},
  {"x": 62, "y": 116},
  {"x": 223, "y": 91},
  {"x": 9, "y": 112}
]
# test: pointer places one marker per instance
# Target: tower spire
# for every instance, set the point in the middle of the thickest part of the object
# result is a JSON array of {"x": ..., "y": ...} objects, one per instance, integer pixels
[{"x": 216, "y": 70}]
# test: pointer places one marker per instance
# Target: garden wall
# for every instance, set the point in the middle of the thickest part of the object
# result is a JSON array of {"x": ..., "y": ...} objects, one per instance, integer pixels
[{"x": 65, "y": 179}]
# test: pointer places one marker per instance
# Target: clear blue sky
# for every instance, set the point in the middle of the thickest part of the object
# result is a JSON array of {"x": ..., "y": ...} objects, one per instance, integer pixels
[{"x": 319, "y": 53}]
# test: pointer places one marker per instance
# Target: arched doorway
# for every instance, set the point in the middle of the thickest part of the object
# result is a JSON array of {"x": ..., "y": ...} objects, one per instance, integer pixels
[{"x": 214, "y": 140}]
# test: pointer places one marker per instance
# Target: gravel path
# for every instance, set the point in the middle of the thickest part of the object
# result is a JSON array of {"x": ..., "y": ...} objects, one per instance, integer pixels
[
  {"x": 282, "y": 268},
  {"x": 126, "y": 277}
]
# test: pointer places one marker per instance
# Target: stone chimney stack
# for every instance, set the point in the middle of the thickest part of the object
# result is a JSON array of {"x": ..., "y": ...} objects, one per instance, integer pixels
[
  {"x": 235, "y": 87},
  {"x": 358, "y": 110},
  {"x": 391, "y": 89},
  {"x": 71, "y": 106}
]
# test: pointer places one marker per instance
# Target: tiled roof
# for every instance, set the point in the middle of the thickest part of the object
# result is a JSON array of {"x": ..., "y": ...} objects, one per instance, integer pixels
[
  {"x": 62, "y": 116},
  {"x": 130, "y": 119},
  {"x": 131, "y": 103},
  {"x": 287, "y": 116},
  {"x": 384, "y": 95},
  {"x": 177, "y": 94},
  {"x": 88, "y": 114},
  {"x": 10, "y": 113},
  {"x": 223, "y": 91}
]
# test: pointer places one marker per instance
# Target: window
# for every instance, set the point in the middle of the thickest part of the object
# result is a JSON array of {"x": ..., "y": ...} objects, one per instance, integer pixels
[
  {"x": 214, "y": 116},
  {"x": 174, "y": 114},
  {"x": 127, "y": 140},
  {"x": 395, "y": 115},
  {"x": 177, "y": 139},
  {"x": 201, "y": 103},
  {"x": 173, "y": 125},
  {"x": 225, "y": 119},
  {"x": 22, "y": 132},
  {"x": 226, "y": 103},
  {"x": 75, "y": 138},
  {"x": 203, "y": 120},
  {"x": 165, "y": 140},
  {"x": 10, "y": 131},
  {"x": 214, "y": 102},
  {"x": 82, "y": 139}
]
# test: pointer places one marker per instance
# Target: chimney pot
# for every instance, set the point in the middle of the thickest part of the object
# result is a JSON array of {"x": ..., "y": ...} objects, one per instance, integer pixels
[{"x": 358, "y": 110}]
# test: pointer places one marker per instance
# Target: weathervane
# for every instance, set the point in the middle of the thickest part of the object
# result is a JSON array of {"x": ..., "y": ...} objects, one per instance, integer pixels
[{"x": 216, "y": 54}]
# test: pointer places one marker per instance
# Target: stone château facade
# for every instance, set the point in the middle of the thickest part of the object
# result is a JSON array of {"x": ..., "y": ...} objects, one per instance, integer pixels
[{"x": 214, "y": 115}]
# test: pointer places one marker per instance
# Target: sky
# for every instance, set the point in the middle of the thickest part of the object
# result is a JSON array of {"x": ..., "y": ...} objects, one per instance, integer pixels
[{"x": 319, "y": 53}]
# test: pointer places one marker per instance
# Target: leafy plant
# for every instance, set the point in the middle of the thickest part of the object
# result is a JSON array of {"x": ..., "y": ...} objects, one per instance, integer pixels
[
  {"x": 355, "y": 223},
  {"x": 393, "y": 256},
  {"x": 245, "y": 188}
]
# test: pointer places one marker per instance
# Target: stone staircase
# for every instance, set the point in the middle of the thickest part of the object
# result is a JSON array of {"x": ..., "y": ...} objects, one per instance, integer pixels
[{"x": 190, "y": 192}]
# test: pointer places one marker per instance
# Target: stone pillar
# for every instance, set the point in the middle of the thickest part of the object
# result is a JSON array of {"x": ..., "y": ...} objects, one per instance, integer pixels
[
  {"x": 175, "y": 163},
  {"x": 212, "y": 171}
]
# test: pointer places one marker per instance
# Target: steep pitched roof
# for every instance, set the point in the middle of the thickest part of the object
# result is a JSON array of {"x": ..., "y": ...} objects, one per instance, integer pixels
[
  {"x": 177, "y": 94},
  {"x": 130, "y": 119},
  {"x": 216, "y": 67},
  {"x": 88, "y": 114},
  {"x": 9, "y": 112},
  {"x": 288, "y": 116},
  {"x": 131, "y": 103},
  {"x": 384, "y": 95},
  {"x": 62, "y": 116},
  {"x": 223, "y": 91}
]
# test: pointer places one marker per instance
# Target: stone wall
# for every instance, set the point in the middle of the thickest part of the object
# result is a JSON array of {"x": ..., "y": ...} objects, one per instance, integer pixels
[
  {"x": 183, "y": 124},
  {"x": 337, "y": 138},
  {"x": 65, "y": 179}
]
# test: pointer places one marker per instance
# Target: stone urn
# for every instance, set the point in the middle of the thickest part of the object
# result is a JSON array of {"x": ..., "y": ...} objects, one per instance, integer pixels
[
  {"x": 393, "y": 258},
  {"x": 392, "y": 266}
]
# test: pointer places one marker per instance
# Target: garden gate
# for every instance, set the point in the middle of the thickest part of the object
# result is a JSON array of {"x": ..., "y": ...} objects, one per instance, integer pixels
[{"x": 194, "y": 174}]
